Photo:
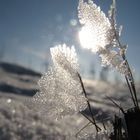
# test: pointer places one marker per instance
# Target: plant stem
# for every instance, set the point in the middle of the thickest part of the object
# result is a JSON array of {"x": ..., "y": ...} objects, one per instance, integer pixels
[
  {"x": 90, "y": 120},
  {"x": 130, "y": 82},
  {"x": 132, "y": 96},
  {"x": 129, "y": 77},
  {"x": 116, "y": 104},
  {"x": 88, "y": 103}
]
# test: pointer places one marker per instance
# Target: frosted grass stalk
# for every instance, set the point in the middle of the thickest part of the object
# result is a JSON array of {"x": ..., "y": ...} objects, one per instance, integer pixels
[
  {"x": 60, "y": 90},
  {"x": 103, "y": 39},
  {"x": 102, "y": 32}
]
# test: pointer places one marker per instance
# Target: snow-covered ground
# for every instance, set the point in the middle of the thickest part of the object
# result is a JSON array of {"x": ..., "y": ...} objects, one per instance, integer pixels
[{"x": 19, "y": 121}]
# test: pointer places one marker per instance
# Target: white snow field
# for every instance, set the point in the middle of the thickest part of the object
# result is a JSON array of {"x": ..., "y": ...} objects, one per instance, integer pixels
[{"x": 19, "y": 120}]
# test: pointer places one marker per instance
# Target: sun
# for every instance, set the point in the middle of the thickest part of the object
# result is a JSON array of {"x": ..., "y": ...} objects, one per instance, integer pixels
[{"x": 88, "y": 39}]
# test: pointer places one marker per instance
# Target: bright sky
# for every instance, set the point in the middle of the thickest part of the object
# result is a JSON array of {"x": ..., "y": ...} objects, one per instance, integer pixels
[{"x": 28, "y": 28}]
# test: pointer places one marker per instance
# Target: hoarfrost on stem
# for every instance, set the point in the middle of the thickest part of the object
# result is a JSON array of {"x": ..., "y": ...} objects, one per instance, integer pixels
[
  {"x": 60, "y": 90},
  {"x": 99, "y": 34}
]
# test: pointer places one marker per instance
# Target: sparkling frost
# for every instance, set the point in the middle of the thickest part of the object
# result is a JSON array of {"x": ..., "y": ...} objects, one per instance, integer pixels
[
  {"x": 96, "y": 24},
  {"x": 99, "y": 34},
  {"x": 60, "y": 91}
]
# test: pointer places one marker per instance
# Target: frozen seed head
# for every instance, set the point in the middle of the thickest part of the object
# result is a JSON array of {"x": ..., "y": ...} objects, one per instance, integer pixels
[
  {"x": 96, "y": 31},
  {"x": 60, "y": 90},
  {"x": 99, "y": 34},
  {"x": 65, "y": 57}
]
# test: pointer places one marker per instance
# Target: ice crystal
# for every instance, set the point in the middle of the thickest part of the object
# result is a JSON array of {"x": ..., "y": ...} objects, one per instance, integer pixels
[
  {"x": 60, "y": 90},
  {"x": 100, "y": 35}
]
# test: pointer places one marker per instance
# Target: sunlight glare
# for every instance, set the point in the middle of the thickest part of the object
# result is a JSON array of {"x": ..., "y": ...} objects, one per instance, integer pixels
[{"x": 88, "y": 39}]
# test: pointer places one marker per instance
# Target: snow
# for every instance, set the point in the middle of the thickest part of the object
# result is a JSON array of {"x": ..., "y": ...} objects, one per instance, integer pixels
[
  {"x": 19, "y": 123},
  {"x": 19, "y": 120}
]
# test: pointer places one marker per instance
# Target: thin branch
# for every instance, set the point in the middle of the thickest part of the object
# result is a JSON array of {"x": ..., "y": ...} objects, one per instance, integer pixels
[
  {"x": 132, "y": 96},
  {"x": 83, "y": 88},
  {"x": 132, "y": 84},
  {"x": 97, "y": 127},
  {"x": 116, "y": 104},
  {"x": 88, "y": 103},
  {"x": 135, "y": 94},
  {"x": 130, "y": 81}
]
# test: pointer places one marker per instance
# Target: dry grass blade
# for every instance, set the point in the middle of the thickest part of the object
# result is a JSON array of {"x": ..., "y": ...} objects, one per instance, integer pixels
[
  {"x": 88, "y": 103},
  {"x": 116, "y": 104},
  {"x": 94, "y": 123}
]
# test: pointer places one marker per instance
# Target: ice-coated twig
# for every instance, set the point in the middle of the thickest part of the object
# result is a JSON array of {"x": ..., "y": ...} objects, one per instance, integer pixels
[
  {"x": 129, "y": 76},
  {"x": 130, "y": 89}
]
